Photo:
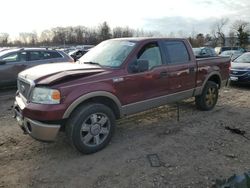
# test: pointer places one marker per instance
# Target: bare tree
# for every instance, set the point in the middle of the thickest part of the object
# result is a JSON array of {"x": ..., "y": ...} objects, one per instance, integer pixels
[
  {"x": 27, "y": 38},
  {"x": 215, "y": 39},
  {"x": 104, "y": 32},
  {"x": 4, "y": 39},
  {"x": 119, "y": 32},
  {"x": 91, "y": 36},
  {"x": 33, "y": 38},
  {"x": 232, "y": 38},
  {"x": 200, "y": 40},
  {"x": 59, "y": 36},
  {"x": 127, "y": 32},
  {"x": 242, "y": 31},
  {"x": 46, "y": 37},
  {"x": 218, "y": 31},
  {"x": 208, "y": 40},
  {"x": 23, "y": 37},
  {"x": 80, "y": 34},
  {"x": 73, "y": 35}
]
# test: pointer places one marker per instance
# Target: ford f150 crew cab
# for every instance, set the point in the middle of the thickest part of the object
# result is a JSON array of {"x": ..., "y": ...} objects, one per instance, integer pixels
[{"x": 116, "y": 78}]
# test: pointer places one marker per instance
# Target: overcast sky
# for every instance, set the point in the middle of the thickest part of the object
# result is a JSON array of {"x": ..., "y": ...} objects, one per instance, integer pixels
[{"x": 164, "y": 16}]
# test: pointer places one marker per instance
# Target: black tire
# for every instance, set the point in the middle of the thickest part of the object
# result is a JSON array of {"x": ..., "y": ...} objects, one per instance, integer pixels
[
  {"x": 208, "y": 99},
  {"x": 90, "y": 127}
]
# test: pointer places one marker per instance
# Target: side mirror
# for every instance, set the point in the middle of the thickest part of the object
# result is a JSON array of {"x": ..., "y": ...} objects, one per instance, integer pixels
[
  {"x": 140, "y": 65},
  {"x": 2, "y": 62}
]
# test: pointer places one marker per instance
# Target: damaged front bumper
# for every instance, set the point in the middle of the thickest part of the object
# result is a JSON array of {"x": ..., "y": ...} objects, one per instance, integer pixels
[{"x": 36, "y": 129}]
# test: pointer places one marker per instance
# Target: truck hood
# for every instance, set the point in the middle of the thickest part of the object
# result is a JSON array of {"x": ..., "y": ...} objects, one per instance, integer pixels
[
  {"x": 51, "y": 73},
  {"x": 241, "y": 66}
]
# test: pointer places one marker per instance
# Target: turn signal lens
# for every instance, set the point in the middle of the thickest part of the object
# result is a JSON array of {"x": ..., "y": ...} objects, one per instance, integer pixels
[{"x": 56, "y": 95}]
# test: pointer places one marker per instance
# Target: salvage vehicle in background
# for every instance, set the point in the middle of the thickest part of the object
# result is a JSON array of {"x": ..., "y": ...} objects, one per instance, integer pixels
[
  {"x": 233, "y": 54},
  {"x": 16, "y": 60},
  {"x": 219, "y": 50},
  {"x": 240, "y": 69},
  {"x": 204, "y": 52},
  {"x": 118, "y": 77},
  {"x": 77, "y": 54}
]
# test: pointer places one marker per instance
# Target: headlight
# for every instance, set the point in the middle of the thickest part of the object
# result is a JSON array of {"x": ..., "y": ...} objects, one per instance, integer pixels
[{"x": 45, "y": 96}]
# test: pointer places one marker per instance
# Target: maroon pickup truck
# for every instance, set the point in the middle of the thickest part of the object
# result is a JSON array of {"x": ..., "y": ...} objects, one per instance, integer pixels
[{"x": 118, "y": 77}]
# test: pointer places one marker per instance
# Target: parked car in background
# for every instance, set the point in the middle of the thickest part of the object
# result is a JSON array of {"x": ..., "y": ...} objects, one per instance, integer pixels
[
  {"x": 3, "y": 49},
  {"x": 219, "y": 50},
  {"x": 76, "y": 54},
  {"x": 204, "y": 52},
  {"x": 84, "y": 47},
  {"x": 240, "y": 69},
  {"x": 16, "y": 60},
  {"x": 233, "y": 54}
]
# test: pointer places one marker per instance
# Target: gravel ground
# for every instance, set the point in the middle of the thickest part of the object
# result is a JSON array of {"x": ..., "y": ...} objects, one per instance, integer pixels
[{"x": 193, "y": 152}]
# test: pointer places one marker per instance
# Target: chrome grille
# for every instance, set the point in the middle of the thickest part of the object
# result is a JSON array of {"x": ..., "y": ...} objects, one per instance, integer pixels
[{"x": 24, "y": 88}]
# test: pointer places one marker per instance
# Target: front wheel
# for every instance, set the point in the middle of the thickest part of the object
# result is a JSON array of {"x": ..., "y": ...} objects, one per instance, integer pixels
[
  {"x": 91, "y": 127},
  {"x": 208, "y": 99}
]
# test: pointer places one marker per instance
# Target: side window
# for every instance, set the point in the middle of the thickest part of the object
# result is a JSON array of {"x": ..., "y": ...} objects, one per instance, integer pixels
[
  {"x": 177, "y": 52},
  {"x": 45, "y": 55},
  {"x": 204, "y": 52},
  {"x": 23, "y": 56},
  {"x": 55, "y": 55},
  {"x": 212, "y": 51},
  {"x": 34, "y": 55},
  {"x": 208, "y": 52},
  {"x": 13, "y": 57},
  {"x": 151, "y": 52},
  {"x": 50, "y": 55}
]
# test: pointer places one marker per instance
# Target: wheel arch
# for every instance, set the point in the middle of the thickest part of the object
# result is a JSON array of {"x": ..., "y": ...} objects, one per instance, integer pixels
[
  {"x": 215, "y": 77},
  {"x": 102, "y": 97}
]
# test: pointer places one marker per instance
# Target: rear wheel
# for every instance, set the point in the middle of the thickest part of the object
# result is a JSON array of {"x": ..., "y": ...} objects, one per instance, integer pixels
[
  {"x": 208, "y": 99},
  {"x": 91, "y": 127}
]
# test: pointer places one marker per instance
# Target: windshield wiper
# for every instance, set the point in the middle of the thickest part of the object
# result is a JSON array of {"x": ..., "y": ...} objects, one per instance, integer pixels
[{"x": 92, "y": 63}]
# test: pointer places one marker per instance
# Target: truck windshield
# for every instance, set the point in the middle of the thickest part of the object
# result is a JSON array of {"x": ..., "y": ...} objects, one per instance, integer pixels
[{"x": 110, "y": 53}]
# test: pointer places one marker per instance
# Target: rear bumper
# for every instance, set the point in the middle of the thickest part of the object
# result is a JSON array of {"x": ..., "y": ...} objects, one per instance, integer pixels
[{"x": 38, "y": 130}]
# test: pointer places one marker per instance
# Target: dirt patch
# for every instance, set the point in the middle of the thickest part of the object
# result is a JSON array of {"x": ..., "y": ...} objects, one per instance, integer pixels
[{"x": 193, "y": 152}]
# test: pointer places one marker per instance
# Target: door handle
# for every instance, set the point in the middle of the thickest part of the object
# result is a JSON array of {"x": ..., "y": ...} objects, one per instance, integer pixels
[
  {"x": 191, "y": 70},
  {"x": 163, "y": 74}
]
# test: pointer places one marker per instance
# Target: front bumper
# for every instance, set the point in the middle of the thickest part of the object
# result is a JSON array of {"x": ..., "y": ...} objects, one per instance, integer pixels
[
  {"x": 36, "y": 129},
  {"x": 240, "y": 79},
  {"x": 240, "y": 76}
]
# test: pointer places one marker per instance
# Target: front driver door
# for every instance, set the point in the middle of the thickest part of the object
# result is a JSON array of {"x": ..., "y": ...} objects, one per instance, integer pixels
[{"x": 144, "y": 86}]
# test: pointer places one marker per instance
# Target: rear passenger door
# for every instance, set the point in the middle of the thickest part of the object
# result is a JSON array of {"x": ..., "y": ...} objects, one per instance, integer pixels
[
  {"x": 34, "y": 58},
  {"x": 15, "y": 63},
  {"x": 42, "y": 57},
  {"x": 181, "y": 70}
]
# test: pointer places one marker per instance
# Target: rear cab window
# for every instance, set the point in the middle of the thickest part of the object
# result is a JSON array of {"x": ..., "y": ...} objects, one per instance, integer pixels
[{"x": 176, "y": 52}]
